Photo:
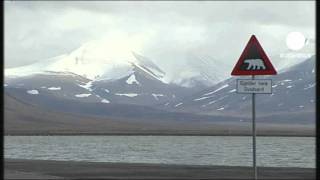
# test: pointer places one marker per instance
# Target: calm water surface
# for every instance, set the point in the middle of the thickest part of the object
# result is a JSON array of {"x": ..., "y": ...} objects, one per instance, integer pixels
[{"x": 195, "y": 150}]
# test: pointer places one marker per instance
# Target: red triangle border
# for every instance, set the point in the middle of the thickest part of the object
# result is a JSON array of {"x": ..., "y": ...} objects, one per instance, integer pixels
[{"x": 270, "y": 69}]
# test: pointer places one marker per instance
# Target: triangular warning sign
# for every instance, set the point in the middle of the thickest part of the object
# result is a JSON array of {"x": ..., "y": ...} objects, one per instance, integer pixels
[{"x": 253, "y": 61}]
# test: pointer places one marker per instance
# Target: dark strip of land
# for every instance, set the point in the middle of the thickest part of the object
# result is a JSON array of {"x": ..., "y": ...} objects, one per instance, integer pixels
[
  {"x": 45, "y": 169},
  {"x": 197, "y": 130},
  {"x": 158, "y": 134}
]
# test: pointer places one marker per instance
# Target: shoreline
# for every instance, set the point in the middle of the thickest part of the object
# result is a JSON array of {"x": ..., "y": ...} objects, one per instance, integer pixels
[
  {"x": 156, "y": 134},
  {"x": 50, "y": 169}
]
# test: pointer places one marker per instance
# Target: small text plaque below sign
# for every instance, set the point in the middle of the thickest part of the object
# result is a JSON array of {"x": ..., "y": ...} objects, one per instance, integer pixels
[{"x": 258, "y": 86}]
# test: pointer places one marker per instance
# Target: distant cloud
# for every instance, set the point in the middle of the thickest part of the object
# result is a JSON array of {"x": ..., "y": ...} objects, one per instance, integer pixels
[{"x": 164, "y": 31}]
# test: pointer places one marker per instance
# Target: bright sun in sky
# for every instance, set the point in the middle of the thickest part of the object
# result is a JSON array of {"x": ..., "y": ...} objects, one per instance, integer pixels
[{"x": 295, "y": 40}]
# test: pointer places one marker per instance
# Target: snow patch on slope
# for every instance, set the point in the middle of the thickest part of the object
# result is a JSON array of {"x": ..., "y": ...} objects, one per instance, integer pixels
[
  {"x": 179, "y": 104},
  {"x": 82, "y": 95},
  {"x": 127, "y": 94},
  {"x": 202, "y": 98},
  {"x": 54, "y": 88},
  {"x": 233, "y": 90},
  {"x": 157, "y": 95},
  {"x": 105, "y": 101},
  {"x": 33, "y": 92},
  {"x": 148, "y": 65},
  {"x": 222, "y": 87},
  {"x": 87, "y": 86},
  {"x": 220, "y": 109},
  {"x": 309, "y": 86},
  {"x": 149, "y": 72},
  {"x": 132, "y": 79}
]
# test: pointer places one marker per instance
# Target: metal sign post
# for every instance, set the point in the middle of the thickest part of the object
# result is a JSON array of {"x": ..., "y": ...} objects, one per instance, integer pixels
[{"x": 254, "y": 134}]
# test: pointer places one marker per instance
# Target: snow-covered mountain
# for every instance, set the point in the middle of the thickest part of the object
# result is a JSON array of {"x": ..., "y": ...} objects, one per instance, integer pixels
[
  {"x": 293, "y": 97},
  {"x": 105, "y": 74},
  {"x": 200, "y": 70},
  {"x": 138, "y": 87},
  {"x": 98, "y": 60},
  {"x": 88, "y": 62},
  {"x": 95, "y": 73},
  {"x": 135, "y": 80}
]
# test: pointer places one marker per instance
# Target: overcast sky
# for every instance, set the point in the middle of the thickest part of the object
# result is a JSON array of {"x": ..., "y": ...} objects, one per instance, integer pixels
[{"x": 162, "y": 30}]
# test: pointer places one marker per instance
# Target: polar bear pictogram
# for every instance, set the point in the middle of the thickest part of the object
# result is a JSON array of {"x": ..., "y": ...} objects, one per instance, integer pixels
[{"x": 255, "y": 64}]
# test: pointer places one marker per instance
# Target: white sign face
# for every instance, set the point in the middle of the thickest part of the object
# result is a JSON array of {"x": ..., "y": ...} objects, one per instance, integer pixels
[{"x": 258, "y": 86}]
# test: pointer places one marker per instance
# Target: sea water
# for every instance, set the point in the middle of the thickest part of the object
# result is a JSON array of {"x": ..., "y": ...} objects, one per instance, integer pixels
[{"x": 187, "y": 150}]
